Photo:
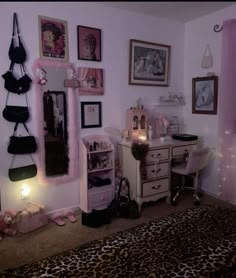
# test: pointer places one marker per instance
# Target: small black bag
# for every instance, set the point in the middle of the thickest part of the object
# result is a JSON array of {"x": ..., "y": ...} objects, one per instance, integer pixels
[
  {"x": 22, "y": 172},
  {"x": 16, "y": 114},
  {"x": 17, "y": 54},
  {"x": 122, "y": 206},
  {"x": 22, "y": 144},
  {"x": 96, "y": 218}
]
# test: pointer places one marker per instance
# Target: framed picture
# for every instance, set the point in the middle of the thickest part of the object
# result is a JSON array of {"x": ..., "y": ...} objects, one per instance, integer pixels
[
  {"x": 89, "y": 43},
  {"x": 205, "y": 95},
  {"x": 149, "y": 63},
  {"x": 91, "y": 81},
  {"x": 91, "y": 114},
  {"x": 53, "y": 39}
]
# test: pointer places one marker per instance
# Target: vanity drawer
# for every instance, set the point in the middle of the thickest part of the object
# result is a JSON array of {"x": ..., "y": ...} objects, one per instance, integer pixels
[
  {"x": 158, "y": 154},
  {"x": 100, "y": 199},
  {"x": 182, "y": 150},
  {"x": 157, "y": 170},
  {"x": 155, "y": 187}
]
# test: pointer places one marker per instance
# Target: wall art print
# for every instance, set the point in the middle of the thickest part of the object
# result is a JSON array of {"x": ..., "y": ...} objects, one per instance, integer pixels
[
  {"x": 149, "y": 63},
  {"x": 89, "y": 43},
  {"x": 91, "y": 114},
  {"x": 204, "y": 95},
  {"x": 53, "y": 39},
  {"x": 91, "y": 81}
]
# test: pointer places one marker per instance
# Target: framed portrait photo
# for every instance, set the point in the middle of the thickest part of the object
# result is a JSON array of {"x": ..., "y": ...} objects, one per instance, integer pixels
[
  {"x": 91, "y": 81},
  {"x": 53, "y": 39},
  {"x": 91, "y": 114},
  {"x": 149, "y": 63},
  {"x": 205, "y": 95},
  {"x": 89, "y": 43}
]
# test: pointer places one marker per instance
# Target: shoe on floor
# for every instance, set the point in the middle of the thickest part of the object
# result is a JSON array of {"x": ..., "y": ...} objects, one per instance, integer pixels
[
  {"x": 57, "y": 218},
  {"x": 70, "y": 215}
]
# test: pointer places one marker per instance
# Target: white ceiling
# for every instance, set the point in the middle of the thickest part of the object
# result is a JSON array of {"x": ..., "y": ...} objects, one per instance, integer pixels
[{"x": 180, "y": 11}]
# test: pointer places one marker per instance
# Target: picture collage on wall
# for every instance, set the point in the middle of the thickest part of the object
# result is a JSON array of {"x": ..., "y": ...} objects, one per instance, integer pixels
[{"x": 54, "y": 45}]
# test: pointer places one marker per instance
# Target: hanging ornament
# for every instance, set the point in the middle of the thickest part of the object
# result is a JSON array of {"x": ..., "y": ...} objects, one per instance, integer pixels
[{"x": 207, "y": 60}]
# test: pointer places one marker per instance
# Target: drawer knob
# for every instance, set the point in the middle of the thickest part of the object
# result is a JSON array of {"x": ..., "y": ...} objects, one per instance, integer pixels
[
  {"x": 156, "y": 186},
  {"x": 158, "y": 170}
]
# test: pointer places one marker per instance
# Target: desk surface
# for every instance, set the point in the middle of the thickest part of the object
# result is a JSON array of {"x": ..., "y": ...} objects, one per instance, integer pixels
[{"x": 167, "y": 143}]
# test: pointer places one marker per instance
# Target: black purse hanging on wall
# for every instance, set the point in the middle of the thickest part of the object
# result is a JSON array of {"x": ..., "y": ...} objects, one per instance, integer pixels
[
  {"x": 17, "y": 54},
  {"x": 21, "y": 144},
  {"x": 22, "y": 172},
  {"x": 14, "y": 113}
]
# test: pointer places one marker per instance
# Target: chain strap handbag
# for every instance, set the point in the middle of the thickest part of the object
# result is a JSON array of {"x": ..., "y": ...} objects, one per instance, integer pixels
[{"x": 21, "y": 144}]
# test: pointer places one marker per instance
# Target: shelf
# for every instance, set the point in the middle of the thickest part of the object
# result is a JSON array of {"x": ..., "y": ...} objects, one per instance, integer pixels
[
  {"x": 96, "y": 189},
  {"x": 99, "y": 170},
  {"x": 100, "y": 151},
  {"x": 169, "y": 103}
]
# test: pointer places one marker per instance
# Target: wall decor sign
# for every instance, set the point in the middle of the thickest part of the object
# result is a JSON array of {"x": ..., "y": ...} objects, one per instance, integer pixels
[
  {"x": 204, "y": 95},
  {"x": 89, "y": 43},
  {"x": 91, "y": 114},
  {"x": 149, "y": 63},
  {"x": 53, "y": 39},
  {"x": 91, "y": 81}
]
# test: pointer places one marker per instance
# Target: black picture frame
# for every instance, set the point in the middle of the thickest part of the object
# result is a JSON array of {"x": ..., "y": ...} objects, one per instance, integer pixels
[
  {"x": 91, "y": 114},
  {"x": 204, "y": 95},
  {"x": 91, "y": 37},
  {"x": 149, "y": 63}
]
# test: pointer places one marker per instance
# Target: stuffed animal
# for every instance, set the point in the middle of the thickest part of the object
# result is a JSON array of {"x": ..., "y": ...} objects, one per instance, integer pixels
[
  {"x": 41, "y": 74},
  {"x": 7, "y": 223}
]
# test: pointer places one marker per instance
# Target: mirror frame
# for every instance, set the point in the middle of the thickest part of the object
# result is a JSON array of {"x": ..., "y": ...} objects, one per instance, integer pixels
[{"x": 71, "y": 126}]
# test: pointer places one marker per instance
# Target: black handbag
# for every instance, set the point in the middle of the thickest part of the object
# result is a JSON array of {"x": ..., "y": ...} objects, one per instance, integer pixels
[
  {"x": 21, "y": 144},
  {"x": 123, "y": 206},
  {"x": 15, "y": 114},
  {"x": 17, "y": 54},
  {"x": 22, "y": 172}
]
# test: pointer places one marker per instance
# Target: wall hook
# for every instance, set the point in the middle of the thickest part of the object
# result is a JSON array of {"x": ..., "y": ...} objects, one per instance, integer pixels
[{"x": 217, "y": 28}]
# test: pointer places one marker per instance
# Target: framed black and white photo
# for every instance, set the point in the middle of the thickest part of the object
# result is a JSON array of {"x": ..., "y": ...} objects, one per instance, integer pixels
[
  {"x": 91, "y": 114},
  {"x": 204, "y": 95},
  {"x": 149, "y": 63}
]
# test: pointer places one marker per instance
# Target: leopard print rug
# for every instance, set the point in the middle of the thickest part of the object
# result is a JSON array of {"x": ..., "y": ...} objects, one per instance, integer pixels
[{"x": 199, "y": 242}]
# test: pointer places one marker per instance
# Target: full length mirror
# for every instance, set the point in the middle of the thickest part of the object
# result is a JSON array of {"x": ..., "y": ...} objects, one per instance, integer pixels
[{"x": 56, "y": 117}]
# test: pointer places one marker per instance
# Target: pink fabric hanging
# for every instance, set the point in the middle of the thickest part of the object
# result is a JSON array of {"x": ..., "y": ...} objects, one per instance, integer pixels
[{"x": 227, "y": 113}]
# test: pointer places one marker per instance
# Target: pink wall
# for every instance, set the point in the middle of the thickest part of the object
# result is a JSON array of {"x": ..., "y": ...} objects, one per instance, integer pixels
[
  {"x": 198, "y": 34},
  {"x": 118, "y": 27}
]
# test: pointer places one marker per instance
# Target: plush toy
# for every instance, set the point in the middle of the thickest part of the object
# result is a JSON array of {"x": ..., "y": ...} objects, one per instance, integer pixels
[
  {"x": 41, "y": 74},
  {"x": 7, "y": 223}
]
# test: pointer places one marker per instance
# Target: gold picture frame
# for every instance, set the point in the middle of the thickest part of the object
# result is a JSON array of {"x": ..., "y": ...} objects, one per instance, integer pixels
[{"x": 53, "y": 39}]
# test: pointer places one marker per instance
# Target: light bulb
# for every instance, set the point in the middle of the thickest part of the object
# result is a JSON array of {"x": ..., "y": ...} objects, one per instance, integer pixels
[{"x": 25, "y": 191}]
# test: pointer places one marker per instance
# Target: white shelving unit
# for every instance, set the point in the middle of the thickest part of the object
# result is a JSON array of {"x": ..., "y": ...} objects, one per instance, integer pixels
[{"x": 96, "y": 172}]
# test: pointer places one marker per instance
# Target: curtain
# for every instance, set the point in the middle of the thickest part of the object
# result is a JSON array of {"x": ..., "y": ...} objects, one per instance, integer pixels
[{"x": 227, "y": 113}]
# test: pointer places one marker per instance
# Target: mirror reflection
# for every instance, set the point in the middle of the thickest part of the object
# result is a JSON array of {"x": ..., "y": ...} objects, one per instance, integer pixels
[
  {"x": 56, "y": 110},
  {"x": 55, "y": 122},
  {"x": 55, "y": 132}
]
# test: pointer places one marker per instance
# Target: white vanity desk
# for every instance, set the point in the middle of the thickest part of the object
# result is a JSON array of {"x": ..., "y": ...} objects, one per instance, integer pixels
[{"x": 157, "y": 165}]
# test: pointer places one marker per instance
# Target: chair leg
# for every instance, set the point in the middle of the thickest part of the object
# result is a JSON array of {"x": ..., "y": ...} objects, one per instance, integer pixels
[
  {"x": 179, "y": 190},
  {"x": 195, "y": 194}
]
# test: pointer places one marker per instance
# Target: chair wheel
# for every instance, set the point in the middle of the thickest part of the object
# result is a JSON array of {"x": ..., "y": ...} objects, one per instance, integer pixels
[
  {"x": 197, "y": 203},
  {"x": 173, "y": 203},
  {"x": 200, "y": 194}
]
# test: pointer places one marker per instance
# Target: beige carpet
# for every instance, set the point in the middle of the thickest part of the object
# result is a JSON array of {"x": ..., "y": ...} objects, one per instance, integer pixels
[{"x": 52, "y": 239}]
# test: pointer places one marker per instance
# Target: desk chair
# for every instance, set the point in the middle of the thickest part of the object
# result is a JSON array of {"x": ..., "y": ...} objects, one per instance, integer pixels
[{"x": 197, "y": 160}]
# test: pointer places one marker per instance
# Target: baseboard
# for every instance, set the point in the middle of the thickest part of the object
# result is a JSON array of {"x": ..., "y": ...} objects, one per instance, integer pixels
[
  {"x": 74, "y": 208},
  {"x": 217, "y": 196}
]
